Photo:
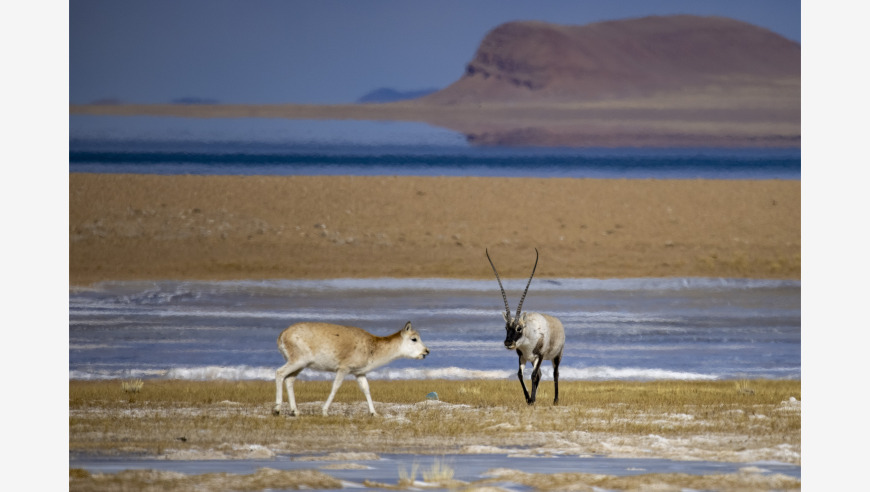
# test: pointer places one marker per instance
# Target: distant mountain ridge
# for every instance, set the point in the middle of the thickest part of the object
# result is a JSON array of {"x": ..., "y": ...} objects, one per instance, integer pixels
[
  {"x": 637, "y": 57},
  {"x": 386, "y": 94}
]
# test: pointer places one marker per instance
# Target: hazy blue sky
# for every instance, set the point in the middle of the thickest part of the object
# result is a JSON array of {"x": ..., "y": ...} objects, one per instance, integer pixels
[{"x": 322, "y": 51}]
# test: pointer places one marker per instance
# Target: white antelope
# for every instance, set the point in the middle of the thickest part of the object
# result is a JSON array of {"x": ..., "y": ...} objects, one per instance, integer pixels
[
  {"x": 343, "y": 350},
  {"x": 536, "y": 337}
]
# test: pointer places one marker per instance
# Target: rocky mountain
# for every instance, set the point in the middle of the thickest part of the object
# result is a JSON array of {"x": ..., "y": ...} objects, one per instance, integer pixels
[{"x": 625, "y": 58}]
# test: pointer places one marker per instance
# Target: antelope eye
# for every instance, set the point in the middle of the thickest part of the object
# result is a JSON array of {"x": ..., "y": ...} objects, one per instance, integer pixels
[
  {"x": 413, "y": 339},
  {"x": 519, "y": 329}
]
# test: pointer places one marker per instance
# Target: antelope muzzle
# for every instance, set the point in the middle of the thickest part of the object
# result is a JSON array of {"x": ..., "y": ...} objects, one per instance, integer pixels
[{"x": 512, "y": 337}]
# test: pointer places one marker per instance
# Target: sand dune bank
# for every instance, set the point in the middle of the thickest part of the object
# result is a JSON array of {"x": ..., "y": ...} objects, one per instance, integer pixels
[{"x": 253, "y": 227}]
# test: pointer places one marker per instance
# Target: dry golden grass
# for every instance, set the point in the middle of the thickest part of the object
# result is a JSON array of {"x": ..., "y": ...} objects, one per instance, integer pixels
[
  {"x": 747, "y": 480},
  {"x": 742, "y": 421},
  {"x": 666, "y": 395},
  {"x": 222, "y": 418},
  {"x": 159, "y": 481}
]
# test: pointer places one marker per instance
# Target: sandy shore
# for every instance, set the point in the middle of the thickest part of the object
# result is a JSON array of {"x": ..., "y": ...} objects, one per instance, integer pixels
[{"x": 218, "y": 227}]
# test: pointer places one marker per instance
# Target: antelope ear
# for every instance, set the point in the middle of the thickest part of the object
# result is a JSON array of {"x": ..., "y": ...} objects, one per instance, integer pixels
[
  {"x": 507, "y": 318},
  {"x": 523, "y": 319},
  {"x": 408, "y": 327}
]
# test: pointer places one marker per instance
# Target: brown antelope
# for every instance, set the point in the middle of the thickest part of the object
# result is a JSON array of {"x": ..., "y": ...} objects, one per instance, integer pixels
[
  {"x": 343, "y": 350},
  {"x": 536, "y": 337}
]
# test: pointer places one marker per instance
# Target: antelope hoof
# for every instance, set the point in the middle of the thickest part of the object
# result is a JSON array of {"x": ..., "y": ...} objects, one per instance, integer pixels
[{"x": 277, "y": 412}]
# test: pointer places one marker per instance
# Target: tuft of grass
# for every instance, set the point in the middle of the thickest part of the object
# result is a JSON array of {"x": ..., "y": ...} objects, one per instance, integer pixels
[
  {"x": 469, "y": 390},
  {"x": 132, "y": 385},
  {"x": 743, "y": 387},
  {"x": 439, "y": 472},
  {"x": 407, "y": 479}
]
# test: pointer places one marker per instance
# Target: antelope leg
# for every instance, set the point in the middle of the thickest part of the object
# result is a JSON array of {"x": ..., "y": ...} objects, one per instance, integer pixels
[
  {"x": 536, "y": 378},
  {"x": 556, "y": 361},
  {"x": 364, "y": 386},
  {"x": 339, "y": 378},
  {"x": 522, "y": 382},
  {"x": 288, "y": 373}
]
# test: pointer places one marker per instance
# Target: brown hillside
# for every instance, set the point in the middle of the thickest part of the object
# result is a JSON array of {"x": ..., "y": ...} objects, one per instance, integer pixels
[{"x": 626, "y": 58}]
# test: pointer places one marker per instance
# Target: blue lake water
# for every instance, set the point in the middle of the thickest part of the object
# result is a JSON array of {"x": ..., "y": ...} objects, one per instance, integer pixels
[
  {"x": 628, "y": 329},
  {"x": 466, "y": 467},
  {"x": 251, "y": 146}
]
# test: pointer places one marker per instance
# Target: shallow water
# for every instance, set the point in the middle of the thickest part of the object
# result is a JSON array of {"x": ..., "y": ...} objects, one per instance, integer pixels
[
  {"x": 263, "y": 146},
  {"x": 630, "y": 329},
  {"x": 466, "y": 467}
]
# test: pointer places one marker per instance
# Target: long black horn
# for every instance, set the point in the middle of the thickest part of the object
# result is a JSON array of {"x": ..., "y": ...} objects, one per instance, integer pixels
[
  {"x": 520, "y": 305},
  {"x": 507, "y": 308}
]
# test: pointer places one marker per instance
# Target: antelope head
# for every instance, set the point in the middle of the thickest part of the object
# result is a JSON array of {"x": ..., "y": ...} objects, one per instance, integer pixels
[
  {"x": 514, "y": 326},
  {"x": 412, "y": 346}
]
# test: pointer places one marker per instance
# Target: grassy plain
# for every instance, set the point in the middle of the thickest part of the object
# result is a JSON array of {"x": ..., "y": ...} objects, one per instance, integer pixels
[
  {"x": 209, "y": 414},
  {"x": 740, "y": 421}
]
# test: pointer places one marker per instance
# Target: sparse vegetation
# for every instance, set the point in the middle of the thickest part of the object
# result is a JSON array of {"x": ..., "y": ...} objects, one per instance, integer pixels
[
  {"x": 184, "y": 415},
  {"x": 745, "y": 420},
  {"x": 655, "y": 481},
  {"x": 152, "y": 480}
]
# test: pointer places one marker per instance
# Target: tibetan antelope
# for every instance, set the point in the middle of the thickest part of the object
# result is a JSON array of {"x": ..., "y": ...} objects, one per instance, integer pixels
[
  {"x": 343, "y": 350},
  {"x": 536, "y": 337}
]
